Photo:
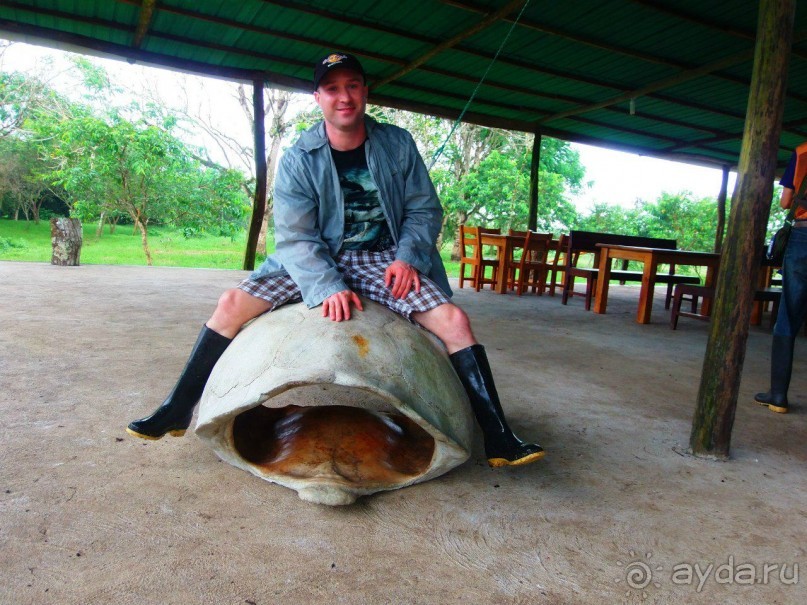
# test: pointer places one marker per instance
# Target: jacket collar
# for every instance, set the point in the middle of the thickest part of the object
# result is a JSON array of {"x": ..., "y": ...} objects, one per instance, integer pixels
[{"x": 315, "y": 137}]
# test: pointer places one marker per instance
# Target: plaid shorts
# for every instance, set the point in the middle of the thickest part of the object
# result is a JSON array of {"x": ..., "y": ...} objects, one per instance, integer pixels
[{"x": 363, "y": 272}]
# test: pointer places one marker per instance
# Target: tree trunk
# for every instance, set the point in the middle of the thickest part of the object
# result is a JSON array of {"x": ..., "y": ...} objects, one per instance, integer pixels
[
  {"x": 66, "y": 237},
  {"x": 721, "y": 210},
  {"x": 270, "y": 177},
  {"x": 144, "y": 238},
  {"x": 456, "y": 249},
  {"x": 742, "y": 250}
]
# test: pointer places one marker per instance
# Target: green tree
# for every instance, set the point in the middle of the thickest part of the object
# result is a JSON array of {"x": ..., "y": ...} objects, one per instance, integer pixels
[
  {"x": 140, "y": 170},
  {"x": 21, "y": 191},
  {"x": 495, "y": 191},
  {"x": 605, "y": 218},
  {"x": 691, "y": 222},
  {"x": 777, "y": 216}
]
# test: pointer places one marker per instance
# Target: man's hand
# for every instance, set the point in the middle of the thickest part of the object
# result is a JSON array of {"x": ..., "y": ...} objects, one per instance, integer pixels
[
  {"x": 337, "y": 306},
  {"x": 402, "y": 277}
]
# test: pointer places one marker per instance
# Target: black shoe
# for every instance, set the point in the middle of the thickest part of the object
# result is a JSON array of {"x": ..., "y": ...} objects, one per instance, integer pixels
[
  {"x": 173, "y": 417},
  {"x": 781, "y": 368},
  {"x": 776, "y": 403},
  {"x": 502, "y": 447}
]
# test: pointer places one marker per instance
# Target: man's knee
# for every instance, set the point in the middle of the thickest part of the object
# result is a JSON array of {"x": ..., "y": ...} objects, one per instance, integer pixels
[
  {"x": 229, "y": 305},
  {"x": 449, "y": 318},
  {"x": 236, "y": 307},
  {"x": 457, "y": 318}
]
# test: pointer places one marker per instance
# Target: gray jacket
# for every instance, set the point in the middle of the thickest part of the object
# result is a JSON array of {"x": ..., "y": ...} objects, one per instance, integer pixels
[{"x": 309, "y": 210}]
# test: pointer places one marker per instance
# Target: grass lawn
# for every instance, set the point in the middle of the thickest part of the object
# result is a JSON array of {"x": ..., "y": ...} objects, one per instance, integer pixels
[{"x": 25, "y": 241}]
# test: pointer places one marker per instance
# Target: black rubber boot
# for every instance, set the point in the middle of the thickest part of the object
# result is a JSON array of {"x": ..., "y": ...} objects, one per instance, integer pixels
[
  {"x": 174, "y": 415},
  {"x": 502, "y": 447},
  {"x": 781, "y": 368}
]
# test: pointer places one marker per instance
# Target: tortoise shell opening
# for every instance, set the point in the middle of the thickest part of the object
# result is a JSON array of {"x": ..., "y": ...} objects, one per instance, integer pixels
[{"x": 336, "y": 443}]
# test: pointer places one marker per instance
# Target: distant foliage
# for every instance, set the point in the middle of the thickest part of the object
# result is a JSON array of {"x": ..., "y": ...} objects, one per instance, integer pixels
[
  {"x": 106, "y": 163},
  {"x": 692, "y": 222}
]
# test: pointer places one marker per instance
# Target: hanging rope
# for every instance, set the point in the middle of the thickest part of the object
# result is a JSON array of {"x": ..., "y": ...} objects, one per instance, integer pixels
[{"x": 439, "y": 151}]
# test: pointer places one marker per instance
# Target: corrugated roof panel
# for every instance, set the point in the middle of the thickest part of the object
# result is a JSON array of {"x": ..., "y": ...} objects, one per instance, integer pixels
[{"x": 568, "y": 67}]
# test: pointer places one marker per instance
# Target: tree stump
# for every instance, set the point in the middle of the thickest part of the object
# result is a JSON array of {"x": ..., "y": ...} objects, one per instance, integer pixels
[{"x": 66, "y": 237}]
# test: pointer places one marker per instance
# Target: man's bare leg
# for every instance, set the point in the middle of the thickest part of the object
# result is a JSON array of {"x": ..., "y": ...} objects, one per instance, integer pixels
[{"x": 451, "y": 325}]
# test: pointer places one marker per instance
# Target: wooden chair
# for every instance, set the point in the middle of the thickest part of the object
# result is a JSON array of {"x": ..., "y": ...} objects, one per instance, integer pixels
[
  {"x": 471, "y": 256},
  {"x": 557, "y": 264},
  {"x": 533, "y": 267},
  {"x": 512, "y": 262}
]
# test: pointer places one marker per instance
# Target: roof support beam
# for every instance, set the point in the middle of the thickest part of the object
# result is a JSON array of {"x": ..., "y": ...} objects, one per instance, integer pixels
[
  {"x": 532, "y": 216},
  {"x": 731, "y": 136},
  {"x": 742, "y": 252},
  {"x": 259, "y": 202},
  {"x": 453, "y": 41},
  {"x": 144, "y": 22},
  {"x": 685, "y": 76}
]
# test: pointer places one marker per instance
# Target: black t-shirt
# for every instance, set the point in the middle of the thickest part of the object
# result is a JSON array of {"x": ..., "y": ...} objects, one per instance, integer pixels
[{"x": 366, "y": 226}]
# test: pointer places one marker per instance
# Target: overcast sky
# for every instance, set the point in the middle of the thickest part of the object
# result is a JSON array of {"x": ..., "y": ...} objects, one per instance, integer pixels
[{"x": 618, "y": 178}]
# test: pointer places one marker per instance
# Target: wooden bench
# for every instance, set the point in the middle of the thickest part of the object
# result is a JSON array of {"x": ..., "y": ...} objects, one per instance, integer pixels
[
  {"x": 763, "y": 295},
  {"x": 586, "y": 242}
]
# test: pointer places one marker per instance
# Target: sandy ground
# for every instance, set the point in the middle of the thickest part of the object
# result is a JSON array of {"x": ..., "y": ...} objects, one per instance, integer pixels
[{"x": 616, "y": 513}]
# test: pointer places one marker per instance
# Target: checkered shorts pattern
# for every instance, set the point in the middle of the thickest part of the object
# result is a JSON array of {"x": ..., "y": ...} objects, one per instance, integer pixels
[{"x": 363, "y": 272}]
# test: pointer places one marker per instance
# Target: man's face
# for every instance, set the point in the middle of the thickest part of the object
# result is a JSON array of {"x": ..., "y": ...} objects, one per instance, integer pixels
[{"x": 342, "y": 96}]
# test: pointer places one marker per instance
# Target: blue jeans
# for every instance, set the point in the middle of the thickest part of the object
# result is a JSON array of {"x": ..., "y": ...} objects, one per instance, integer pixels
[{"x": 793, "y": 308}]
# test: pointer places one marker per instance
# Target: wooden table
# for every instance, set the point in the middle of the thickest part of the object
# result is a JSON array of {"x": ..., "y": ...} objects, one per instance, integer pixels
[
  {"x": 505, "y": 246},
  {"x": 651, "y": 259}
]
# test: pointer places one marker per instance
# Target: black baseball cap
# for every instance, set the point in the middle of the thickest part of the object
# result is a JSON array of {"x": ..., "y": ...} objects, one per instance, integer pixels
[{"x": 333, "y": 61}]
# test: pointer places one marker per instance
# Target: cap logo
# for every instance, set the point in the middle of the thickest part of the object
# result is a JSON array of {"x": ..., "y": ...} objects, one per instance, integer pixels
[{"x": 334, "y": 58}]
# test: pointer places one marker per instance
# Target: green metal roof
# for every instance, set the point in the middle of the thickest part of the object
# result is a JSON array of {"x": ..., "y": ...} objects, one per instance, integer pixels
[{"x": 568, "y": 68}]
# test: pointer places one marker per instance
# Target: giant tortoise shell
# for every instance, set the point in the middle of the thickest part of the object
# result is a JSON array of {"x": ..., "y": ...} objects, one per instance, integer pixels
[{"x": 336, "y": 410}]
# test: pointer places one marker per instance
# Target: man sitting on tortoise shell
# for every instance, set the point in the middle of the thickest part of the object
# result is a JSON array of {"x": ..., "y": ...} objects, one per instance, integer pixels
[{"x": 355, "y": 214}]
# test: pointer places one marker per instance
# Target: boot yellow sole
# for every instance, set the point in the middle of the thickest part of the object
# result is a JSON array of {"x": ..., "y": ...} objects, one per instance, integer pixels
[
  {"x": 777, "y": 409},
  {"x": 175, "y": 433},
  {"x": 499, "y": 462}
]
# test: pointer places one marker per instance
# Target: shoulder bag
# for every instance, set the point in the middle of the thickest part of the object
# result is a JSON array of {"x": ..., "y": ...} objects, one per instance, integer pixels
[{"x": 778, "y": 243}]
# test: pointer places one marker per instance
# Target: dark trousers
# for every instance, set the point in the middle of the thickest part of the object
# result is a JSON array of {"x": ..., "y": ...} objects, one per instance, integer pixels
[{"x": 793, "y": 308}]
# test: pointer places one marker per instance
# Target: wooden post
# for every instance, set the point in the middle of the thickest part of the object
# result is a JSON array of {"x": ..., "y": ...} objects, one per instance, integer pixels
[
  {"x": 532, "y": 217},
  {"x": 259, "y": 203},
  {"x": 66, "y": 239},
  {"x": 721, "y": 210},
  {"x": 750, "y": 206}
]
